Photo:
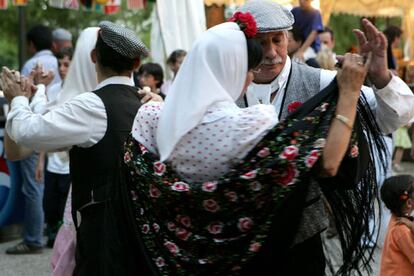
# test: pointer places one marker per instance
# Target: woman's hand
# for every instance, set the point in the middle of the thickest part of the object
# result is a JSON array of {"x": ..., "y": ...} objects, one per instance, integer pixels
[{"x": 352, "y": 75}]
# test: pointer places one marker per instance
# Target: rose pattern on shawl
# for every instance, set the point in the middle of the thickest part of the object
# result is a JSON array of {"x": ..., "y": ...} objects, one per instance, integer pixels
[
  {"x": 180, "y": 187},
  {"x": 245, "y": 224},
  {"x": 211, "y": 205},
  {"x": 311, "y": 158},
  {"x": 255, "y": 247},
  {"x": 209, "y": 186},
  {"x": 264, "y": 152},
  {"x": 159, "y": 168},
  {"x": 172, "y": 247},
  {"x": 184, "y": 220},
  {"x": 215, "y": 227},
  {"x": 145, "y": 228},
  {"x": 232, "y": 196},
  {"x": 354, "y": 151},
  {"x": 290, "y": 152},
  {"x": 156, "y": 227},
  {"x": 207, "y": 221},
  {"x": 154, "y": 192},
  {"x": 143, "y": 149},
  {"x": 249, "y": 175},
  {"x": 127, "y": 157},
  {"x": 160, "y": 262},
  {"x": 182, "y": 234},
  {"x": 288, "y": 177}
]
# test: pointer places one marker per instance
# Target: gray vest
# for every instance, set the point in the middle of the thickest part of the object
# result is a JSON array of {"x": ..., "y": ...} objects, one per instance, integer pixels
[{"x": 304, "y": 82}]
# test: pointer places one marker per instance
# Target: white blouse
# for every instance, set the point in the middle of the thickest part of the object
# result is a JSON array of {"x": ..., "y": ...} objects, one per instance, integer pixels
[{"x": 209, "y": 150}]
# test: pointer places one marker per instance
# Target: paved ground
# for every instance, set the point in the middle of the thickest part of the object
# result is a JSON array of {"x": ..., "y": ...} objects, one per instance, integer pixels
[{"x": 38, "y": 265}]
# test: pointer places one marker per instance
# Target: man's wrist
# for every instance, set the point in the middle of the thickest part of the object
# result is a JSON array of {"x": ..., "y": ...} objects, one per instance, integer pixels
[{"x": 380, "y": 79}]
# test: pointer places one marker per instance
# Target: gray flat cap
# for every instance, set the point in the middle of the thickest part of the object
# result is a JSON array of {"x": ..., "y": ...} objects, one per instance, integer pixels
[
  {"x": 61, "y": 34},
  {"x": 122, "y": 40},
  {"x": 270, "y": 16}
]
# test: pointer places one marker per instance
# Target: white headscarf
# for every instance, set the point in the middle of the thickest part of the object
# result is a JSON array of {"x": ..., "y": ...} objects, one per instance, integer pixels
[
  {"x": 81, "y": 75},
  {"x": 213, "y": 72}
]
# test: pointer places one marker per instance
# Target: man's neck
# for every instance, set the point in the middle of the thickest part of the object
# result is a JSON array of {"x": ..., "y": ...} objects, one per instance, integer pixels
[{"x": 106, "y": 74}]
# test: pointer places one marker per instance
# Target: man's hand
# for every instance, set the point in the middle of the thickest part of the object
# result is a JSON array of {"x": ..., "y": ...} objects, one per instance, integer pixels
[
  {"x": 14, "y": 85},
  {"x": 39, "y": 76},
  {"x": 147, "y": 96},
  {"x": 375, "y": 42}
]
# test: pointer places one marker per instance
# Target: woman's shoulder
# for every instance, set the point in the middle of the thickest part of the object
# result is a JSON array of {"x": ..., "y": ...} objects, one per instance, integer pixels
[
  {"x": 149, "y": 110},
  {"x": 259, "y": 112}
]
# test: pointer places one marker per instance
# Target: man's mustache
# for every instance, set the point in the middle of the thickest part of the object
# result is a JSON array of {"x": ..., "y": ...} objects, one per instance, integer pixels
[{"x": 272, "y": 61}]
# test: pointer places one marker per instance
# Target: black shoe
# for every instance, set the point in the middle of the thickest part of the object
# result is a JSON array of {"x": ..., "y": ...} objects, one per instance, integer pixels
[{"x": 24, "y": 248}]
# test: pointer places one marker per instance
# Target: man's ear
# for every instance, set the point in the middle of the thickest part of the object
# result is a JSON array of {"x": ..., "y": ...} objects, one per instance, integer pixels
[
  {"x": 137, "y": 63},
  {"x": 93, "y": 56},
  {"x": 409, "y": 203}
]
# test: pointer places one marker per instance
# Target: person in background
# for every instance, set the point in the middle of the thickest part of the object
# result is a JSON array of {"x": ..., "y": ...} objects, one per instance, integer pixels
[
  {"x": 393, "y": 34},
  {"x": 397, "y": 256},
  {"x": 309, "y": 23},
  {"x": 151, "y": 75},
  {"x": 40, "y": 41},
  {"x": 326, "y": 56},
  {"x": 327, "y": 38},
  {"x": 295, "y": 42},
  {"x": 402, "y": 141},
  {"x": 174, "y": 61},
  {"x": 57, "y": 177},
  {"x": 61, "y": 39}
]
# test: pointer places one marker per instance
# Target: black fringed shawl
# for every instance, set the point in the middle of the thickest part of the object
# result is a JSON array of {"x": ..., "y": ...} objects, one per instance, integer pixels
[{"x": 246, "y": 220}]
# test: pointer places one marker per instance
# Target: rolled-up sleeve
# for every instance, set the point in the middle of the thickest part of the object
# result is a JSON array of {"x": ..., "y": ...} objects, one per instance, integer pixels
[
  {"x": 81, "y": 121},
  {"x": 393, "y": 105}
]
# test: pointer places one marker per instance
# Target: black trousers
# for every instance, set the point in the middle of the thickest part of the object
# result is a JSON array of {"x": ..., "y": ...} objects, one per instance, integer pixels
[
  {"x": 306, "y": 258},
  {"x": 55, "y": 195}
]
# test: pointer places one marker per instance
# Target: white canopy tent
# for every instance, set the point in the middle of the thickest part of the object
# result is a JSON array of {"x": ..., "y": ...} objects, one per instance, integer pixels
[{"x": 176, "y": 24}]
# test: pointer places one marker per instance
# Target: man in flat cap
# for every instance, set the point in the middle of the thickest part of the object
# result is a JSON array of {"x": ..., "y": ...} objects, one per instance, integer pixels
[
  {"x": 95, "y": 125},
  {"x": 62, "y": 38},
  {"x": 281, "y": 82}
]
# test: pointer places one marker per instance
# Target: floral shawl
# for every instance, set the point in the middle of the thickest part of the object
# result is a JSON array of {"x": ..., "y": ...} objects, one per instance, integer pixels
[{"x": 224, "y": 225}]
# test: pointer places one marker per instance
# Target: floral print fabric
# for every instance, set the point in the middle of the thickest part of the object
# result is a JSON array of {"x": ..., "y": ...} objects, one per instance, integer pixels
[{"x": 220, "y": 224}]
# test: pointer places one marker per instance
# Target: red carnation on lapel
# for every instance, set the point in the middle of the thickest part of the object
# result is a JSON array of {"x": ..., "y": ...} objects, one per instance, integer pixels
[{"x": 293, "y": 106}]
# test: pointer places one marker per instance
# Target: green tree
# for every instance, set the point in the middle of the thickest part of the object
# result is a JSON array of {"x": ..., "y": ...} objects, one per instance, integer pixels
[
  {"x": 38, "y": 12},
  {"x": 343, "y": 24}
]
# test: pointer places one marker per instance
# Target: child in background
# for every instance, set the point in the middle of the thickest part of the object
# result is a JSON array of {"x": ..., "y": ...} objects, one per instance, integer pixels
[
  {"x": 402, "y": 141},
  {"x": 151, "y": 75},
  {"x": 397, "y": 258}
]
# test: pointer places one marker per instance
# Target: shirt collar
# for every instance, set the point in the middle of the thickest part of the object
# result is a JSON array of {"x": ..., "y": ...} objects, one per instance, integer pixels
[
  {"x": 43, "y": 53},
  {"x": 116, "y": 80}
]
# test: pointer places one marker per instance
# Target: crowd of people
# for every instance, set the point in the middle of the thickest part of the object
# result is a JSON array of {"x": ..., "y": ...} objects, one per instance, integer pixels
[{"x": 262, "y": 139}]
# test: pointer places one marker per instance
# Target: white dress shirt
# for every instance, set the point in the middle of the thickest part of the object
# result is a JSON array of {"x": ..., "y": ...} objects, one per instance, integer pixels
[
  {"x": 47, "y": 60},
  {"x": 80, "y": 121},
  {"x": 393, "y": 105}
]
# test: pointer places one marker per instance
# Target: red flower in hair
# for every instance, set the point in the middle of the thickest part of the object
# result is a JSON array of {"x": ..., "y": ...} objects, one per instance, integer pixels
[{"x": 246, "y": 22}]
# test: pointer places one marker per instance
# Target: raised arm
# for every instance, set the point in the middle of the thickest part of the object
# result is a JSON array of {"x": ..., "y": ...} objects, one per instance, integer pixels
[{"x": 350, "y": 79}]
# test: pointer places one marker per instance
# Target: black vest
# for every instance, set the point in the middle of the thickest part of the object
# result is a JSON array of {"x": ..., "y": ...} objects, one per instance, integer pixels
[{"x": 95, "y": 170}]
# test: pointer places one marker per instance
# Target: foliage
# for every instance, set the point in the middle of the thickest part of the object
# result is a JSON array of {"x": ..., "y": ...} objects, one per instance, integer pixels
[
  {"x": 38, "y": 12},
  {"x": 343, "y": 24}
]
